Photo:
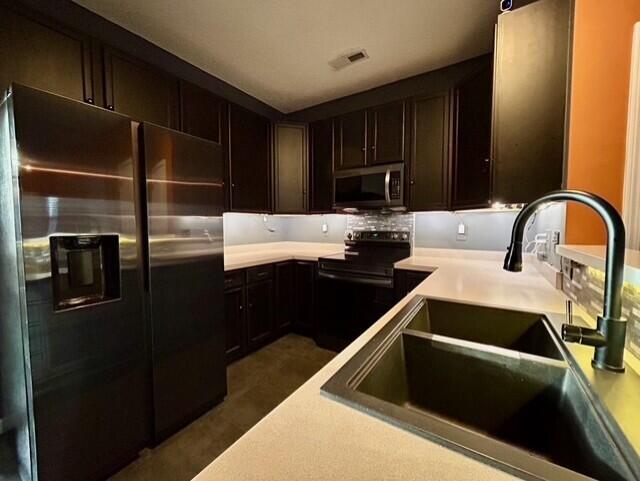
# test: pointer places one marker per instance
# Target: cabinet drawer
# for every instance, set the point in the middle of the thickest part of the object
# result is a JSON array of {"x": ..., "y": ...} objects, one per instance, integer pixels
[
  {"x": 259, "y": 273},
  {"x": 233, "y": 279}
]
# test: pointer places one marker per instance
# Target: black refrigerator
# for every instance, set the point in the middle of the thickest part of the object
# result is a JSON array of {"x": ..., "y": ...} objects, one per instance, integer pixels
[
  {"x": 181, "y": 203},
  {"x": 111, "y": 285},
  {"x": 76, "y": 388}
]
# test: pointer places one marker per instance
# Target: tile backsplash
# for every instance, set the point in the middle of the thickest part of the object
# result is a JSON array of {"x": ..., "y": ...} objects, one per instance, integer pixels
[
  {"x": 586, "y": 288},
  {"x": 330, "y": 228},
  {"x": 377, "y": 221}
]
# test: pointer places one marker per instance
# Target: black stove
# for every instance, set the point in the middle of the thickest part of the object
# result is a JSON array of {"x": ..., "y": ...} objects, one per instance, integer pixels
[
  {"x": 356, "y": 287},
  {"x": 368, "y": 257}
]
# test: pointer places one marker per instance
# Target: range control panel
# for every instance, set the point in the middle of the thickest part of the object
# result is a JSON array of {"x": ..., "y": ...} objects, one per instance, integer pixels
[{"x": 378, "y": 236}]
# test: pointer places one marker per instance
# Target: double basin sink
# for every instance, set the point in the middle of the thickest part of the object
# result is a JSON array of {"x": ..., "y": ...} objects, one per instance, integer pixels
[{"x": 492, "y": 383}]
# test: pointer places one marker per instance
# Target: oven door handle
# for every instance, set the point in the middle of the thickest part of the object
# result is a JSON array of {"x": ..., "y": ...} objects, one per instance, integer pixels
[
  {"x": 357, "y": 279},
  {"x": 387, "y": 182}
]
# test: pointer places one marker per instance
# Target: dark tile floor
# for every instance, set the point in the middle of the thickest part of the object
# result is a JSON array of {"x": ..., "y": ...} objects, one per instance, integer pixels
[{"x": 257, "y": 384}]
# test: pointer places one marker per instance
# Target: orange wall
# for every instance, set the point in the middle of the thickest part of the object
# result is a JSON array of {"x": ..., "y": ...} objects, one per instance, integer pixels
[{"x": 598, "y": 115}]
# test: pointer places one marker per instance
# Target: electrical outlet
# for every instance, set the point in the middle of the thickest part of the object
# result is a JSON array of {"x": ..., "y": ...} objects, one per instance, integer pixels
[
  {"x": 461, "y": 234},
  {"x": 553, "y": 239},
  {"x": 567, "y": 268}
]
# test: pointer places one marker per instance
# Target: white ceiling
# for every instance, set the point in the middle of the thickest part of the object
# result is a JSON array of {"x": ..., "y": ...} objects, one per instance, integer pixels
[{"x": 277, "y": 50}]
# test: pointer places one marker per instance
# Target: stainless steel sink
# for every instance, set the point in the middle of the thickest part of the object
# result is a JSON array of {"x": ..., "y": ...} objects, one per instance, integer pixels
[
  {"x": 524, "y": 412},
  {"x": 521, "y": 331}
]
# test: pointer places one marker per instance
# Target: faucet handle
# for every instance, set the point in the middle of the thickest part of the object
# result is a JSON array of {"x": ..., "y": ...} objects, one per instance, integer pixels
[
  {"x": 571, "y": 333},
  {"x": 582, "y": 335}
]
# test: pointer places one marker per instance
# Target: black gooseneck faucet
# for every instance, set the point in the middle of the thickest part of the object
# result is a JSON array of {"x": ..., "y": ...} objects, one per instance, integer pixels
[{"x": 609, "y": 336}]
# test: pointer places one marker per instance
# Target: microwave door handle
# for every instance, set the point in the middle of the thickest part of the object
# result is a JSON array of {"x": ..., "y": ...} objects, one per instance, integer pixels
[{"x": 387, "y": 181}]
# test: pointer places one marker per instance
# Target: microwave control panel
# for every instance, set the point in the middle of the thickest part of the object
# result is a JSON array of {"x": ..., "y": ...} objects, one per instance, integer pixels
[{"x": 395, "y": 186}]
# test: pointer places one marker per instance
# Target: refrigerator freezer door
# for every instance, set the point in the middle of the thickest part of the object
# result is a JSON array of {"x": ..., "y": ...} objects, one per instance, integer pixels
[
  {"x": 185, "y": 194},
  {"x": 88, "y": 365}
]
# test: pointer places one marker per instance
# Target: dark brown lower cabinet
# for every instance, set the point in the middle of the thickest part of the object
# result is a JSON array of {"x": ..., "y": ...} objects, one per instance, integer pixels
[
  {"x": 406, "y": 281},
  {"x": 265, "y": 302},
  {"x": 305, "y": 275},
  {"x": 286, "y": 304},
  {"x": 259, "y": 313},
  {"x": 235, "y": 325}
]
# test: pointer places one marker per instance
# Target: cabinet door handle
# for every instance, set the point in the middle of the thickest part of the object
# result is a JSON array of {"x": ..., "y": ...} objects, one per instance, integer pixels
[
  {"x": 241, "y": 307},
  {"x": 373, "y": 147},
  {"x": 364, "y": 149},
  {"x": 89, "y": 100},
  {"x": 110, "y": 107},
  {"x": 412, "y": 182}
]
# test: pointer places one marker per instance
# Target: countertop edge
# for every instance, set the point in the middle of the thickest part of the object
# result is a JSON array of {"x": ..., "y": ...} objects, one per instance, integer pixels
[{"x": 594, "y": 256}]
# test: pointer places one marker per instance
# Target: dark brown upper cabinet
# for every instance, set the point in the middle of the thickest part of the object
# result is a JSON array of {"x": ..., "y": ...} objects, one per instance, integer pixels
[
  {"x": 290, "y": 165},
  {"x": 351, "y": 140},
  {"x": 378, "y": 135},
  {"x": 530, "y": 100},
  {"x": 321, "y": 165},
  {"x": 249, "y": 161},
  {"x": 429, "y": 167},
  {"x": 45, "y": 56},
  {"x": 387, "y": 133},
  {"x": 202, "y": 113},
  {"x": 139, "y": 90},
  {"x": 471, "y": 143}
]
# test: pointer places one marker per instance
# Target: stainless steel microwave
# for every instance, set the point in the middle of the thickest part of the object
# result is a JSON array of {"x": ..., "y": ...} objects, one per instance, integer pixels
[{"x": 369, "y": 187}]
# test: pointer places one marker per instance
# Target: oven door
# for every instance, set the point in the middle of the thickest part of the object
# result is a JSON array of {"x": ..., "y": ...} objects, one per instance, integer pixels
[
  {"x": 347, "y": 304},
  {"x": 370, "y": 187}
]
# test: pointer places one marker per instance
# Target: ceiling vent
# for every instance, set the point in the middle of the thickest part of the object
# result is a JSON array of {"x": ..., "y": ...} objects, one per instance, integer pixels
[{"x": 348, "y": 59}]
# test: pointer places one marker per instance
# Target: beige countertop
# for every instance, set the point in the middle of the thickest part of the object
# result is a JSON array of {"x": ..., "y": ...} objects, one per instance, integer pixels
[
  {"x": 312, "y": 437},
  {"x": 241, "y": 256}
]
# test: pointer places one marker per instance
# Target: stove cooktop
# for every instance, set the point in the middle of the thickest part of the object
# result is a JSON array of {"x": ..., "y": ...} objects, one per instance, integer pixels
[{"x": 375, "y": 248}]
